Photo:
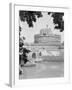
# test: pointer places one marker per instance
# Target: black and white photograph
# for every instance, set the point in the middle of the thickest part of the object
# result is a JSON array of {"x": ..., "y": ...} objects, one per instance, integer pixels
[{"x": 41, "y": 44}]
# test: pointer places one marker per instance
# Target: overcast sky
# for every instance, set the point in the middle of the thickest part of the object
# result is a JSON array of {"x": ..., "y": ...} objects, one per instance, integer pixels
[{"x": 42, "y": 22}]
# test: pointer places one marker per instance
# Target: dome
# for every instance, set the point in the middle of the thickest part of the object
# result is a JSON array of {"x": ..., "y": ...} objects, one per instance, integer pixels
[
  {"x": 47, "y": 37},
  {"x": 45, "y": 31}
]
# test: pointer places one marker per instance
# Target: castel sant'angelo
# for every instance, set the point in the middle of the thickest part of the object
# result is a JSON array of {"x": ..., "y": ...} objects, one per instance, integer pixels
[{"x": 46, "y": 43}]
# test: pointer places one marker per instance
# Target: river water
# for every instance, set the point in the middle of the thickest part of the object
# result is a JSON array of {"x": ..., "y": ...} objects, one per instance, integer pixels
[{"x": 43, "y": 70}]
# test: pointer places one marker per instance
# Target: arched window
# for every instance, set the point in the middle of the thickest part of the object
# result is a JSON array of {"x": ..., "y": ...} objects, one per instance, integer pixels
[
  {"x": 34, "y": 55},
  {"x": 40, "y": 54}
]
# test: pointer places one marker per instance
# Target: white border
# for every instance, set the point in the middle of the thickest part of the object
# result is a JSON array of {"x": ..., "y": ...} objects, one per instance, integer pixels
[{"x": 33, "y": 82}]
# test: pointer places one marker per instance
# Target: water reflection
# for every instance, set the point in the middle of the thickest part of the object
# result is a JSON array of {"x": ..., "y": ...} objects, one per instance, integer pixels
[{"x": 43, "y": 70}]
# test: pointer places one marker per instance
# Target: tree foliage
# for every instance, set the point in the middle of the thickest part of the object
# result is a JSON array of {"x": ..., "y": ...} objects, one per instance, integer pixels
[
  {"x": 29, "y": 16},
  {"x": 58, "y": 19},
  {"x": 22, "y": 51}
]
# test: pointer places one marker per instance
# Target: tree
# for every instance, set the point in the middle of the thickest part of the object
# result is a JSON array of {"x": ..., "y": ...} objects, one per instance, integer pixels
[
  {"x": 29, "y": 16},
  {"x": 58, "y": 19},
  {"x": 22, "y": 51}
]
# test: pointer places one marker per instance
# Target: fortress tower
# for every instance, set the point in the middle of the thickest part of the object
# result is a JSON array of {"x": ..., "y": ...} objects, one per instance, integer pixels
[
  {"x": 46, "y": 37},
  {"x": 46, "y": 43}
]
